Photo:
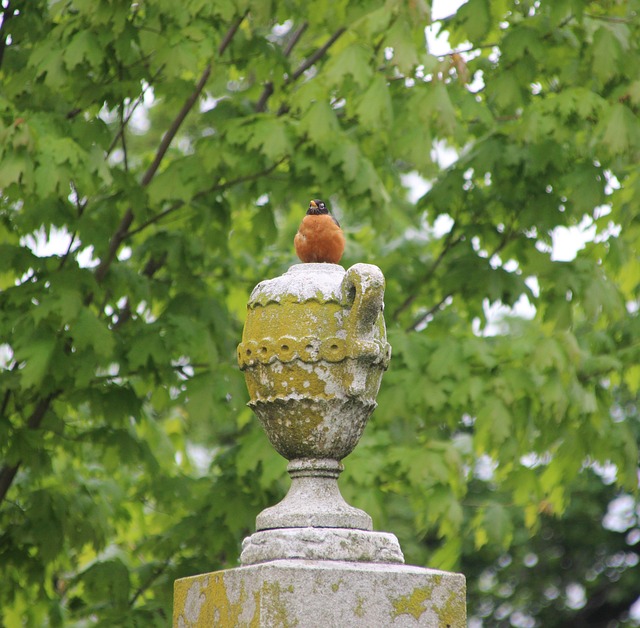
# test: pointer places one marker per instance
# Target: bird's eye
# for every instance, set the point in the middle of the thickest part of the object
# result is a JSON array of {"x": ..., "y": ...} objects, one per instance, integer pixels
[{"x": 321, "y": 205}]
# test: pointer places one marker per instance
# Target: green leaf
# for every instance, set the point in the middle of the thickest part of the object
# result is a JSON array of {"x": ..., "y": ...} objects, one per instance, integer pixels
[
  {"x": 498, "y": 525},
  {"x": 37, "y": 356},
  {"x": 493, "y": 425},
  {"x": 270, "y": 137},
  {"x": 89, "y": 332},
  {"x": 47, "y": 179},
  {"x": 352, "y": 61},
  {"x": 12, "y": 171},
  {"x": 607, "y": 53},
  {"x": 320, "y": 123},
  {"x": 405, "y": 55},
  {"x": 620, "y": 130},
  {"x": 437, "y": 103},
  {"x": 375, "y": 110},
  {"x": 475, "y": 18},
  {"x": 84, "y": 46}
]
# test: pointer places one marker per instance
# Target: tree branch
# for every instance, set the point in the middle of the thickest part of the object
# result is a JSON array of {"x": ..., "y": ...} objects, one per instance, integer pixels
[
  {"x": 8, "y": 472},
  {"x": 461, "y": 51},
  {"x": 317, "y": 55},
  {"x": 188, "y": 105},
  {"x": 150, "y": 580},
  {"x": 175, "y": 125},
  {"x": 422, "y": 319},
  {"x": 507, "y": 236},
  {"x": 268, "y": 87},
  {"x": 449, "y": 243},
  {"x": 307, "y": 63},
  {"x": 609, "y": 18},
  {"x": 138, "y": 101},
  {"x": 295, "y": 38},
  {"x": 127, "y": 219},
  {"x": 216, "y": 188}
]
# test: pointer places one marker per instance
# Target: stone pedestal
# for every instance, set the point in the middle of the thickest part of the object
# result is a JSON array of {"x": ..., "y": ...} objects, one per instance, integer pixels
[
  {"x": 321, "y": 594},
  {"x": 313, "y": 351}
]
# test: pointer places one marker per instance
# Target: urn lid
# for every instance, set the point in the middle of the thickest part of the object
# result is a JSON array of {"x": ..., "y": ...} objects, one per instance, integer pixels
[{"x": 302, "y": 282}]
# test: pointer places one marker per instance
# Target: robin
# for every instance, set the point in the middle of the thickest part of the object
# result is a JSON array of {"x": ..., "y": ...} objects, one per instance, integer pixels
[{"x": 319, "y": 238}]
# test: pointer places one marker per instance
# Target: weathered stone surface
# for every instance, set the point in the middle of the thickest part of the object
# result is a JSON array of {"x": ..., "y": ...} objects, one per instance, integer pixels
[
  {"x": 321, "y": 544},
  {"x": 321, "y": 594},
  {"x": 314, "y": 499},
  {"x": 313, "y": 351}
]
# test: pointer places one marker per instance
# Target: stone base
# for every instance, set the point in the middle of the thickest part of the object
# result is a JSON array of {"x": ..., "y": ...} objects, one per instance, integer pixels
[
  {"x": 321, "y": 594},
  {"x": 314, "y": 500},
  {"x": 321, "y": 544}
]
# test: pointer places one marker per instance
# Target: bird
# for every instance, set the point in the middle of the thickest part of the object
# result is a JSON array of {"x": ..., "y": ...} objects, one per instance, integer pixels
[{"x": 319, "y": 237}]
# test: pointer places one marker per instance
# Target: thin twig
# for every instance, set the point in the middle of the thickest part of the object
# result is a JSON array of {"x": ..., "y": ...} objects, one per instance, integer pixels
[
  {"x": 449, "y": 243},
  {"x": 80, "y": 207},
  {"x": 609, "y": 18},
  {"x": 136, "y": 103},
  {"x": 149, "y": 270},
  {"x": 114, "y": 244},
  {"x": 317, "y": 55},
  {"x": 123, "y": 139},
  {"x": 216, "y": 188},
  {"x": 268, "y": 86},
  {"x": 307, "y": 63},
  {"x": 419, "y": 321},
  {"x": 507, "y": 236},
  {"x": 149, "y": 581}
]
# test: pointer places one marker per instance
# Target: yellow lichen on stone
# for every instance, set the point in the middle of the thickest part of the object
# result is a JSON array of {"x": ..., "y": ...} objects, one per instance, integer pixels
[
  {"x": 359, "y": 609},
  {"x": 202, "y": 602},
  {"x": 273, "y": 608},
  {"x": 276, "y": 320},
  {"x": 313, "y": 352},
  {"x": 413, "y": 604},
  {"x": 454, "y": 611}
]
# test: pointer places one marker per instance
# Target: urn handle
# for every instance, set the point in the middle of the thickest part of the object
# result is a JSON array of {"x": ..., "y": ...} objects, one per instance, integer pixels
[{"x": 363, "y": 289}]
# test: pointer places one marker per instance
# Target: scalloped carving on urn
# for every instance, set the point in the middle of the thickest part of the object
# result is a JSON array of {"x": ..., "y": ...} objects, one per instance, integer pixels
[{"x": 311, "y": 349}]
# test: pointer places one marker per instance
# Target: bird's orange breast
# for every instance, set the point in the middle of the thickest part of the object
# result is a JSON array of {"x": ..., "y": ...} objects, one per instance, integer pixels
[{"x": 319, "y": 239}]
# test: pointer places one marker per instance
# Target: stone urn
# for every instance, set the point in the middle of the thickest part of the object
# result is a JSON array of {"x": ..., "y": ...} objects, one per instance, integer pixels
[{"x": 313, "y": 352}]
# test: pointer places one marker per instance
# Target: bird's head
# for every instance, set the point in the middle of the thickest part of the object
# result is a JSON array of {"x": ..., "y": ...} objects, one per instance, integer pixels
[{"x": 316, "y": 206}]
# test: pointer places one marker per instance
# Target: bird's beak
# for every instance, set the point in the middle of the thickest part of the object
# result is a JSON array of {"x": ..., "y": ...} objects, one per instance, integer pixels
[{"x": 313, "y": 204}]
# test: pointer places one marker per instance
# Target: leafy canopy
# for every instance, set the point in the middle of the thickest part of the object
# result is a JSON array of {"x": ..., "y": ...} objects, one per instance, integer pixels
[{"x": 155, "y": 160}]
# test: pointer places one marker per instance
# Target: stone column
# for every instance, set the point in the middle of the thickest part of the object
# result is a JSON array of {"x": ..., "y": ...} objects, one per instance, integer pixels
[{"x": 313, "y": 351}]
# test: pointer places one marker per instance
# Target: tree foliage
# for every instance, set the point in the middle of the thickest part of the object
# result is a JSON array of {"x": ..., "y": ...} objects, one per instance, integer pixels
[{"x": 155, "y": 161}]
